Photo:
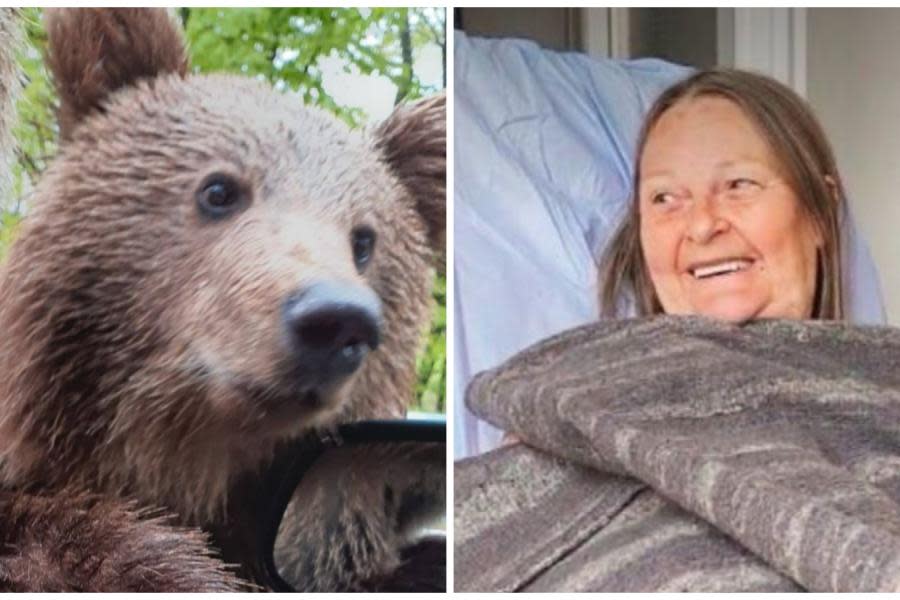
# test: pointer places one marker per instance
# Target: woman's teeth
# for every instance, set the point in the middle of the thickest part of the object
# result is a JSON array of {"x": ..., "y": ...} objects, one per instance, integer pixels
[{"x": 722, "y": 268}]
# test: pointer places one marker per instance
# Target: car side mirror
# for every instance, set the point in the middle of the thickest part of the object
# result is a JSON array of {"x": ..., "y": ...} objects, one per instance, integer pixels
[{"x": 362, "y": 508}]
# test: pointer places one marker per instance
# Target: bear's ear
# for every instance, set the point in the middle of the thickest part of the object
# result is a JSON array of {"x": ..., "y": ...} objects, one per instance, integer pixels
[
  {"x": 413, "y": 141},
  {"x": 92, "y": 52}
]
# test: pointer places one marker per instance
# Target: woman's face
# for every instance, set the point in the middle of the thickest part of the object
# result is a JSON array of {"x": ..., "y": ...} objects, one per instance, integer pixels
[{"x": 723, "y": 234}]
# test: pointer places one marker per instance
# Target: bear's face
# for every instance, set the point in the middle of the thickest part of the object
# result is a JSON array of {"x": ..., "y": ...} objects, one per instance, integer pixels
[
  {"x": 210, "y": 267},
  {"x": 226, "y": 207}
]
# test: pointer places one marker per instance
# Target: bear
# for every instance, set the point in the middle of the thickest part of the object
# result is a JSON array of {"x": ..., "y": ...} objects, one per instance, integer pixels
[{"x": 209, "y": 269}]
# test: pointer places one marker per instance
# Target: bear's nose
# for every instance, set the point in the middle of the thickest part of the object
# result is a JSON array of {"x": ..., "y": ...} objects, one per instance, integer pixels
[{"x": 332, "y": 326}]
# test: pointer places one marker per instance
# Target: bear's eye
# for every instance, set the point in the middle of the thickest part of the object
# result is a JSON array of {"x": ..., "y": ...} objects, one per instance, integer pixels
[
  {"x": 363, "y": 241},
  {"x": 219, "y": 196}
]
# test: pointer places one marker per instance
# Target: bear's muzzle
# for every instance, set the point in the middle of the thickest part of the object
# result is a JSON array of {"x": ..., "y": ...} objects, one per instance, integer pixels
[{"x": 331, "y": 326}]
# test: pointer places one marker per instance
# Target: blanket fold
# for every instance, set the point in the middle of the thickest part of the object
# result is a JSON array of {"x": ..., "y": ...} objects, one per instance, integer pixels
[{"x": 782, "y": 436}]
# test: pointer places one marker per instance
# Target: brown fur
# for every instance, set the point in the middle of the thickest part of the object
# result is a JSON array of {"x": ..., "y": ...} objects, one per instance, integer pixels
[
  {"x": 91, "y": 543},
  {"x": 377, "y": 496},
  {"x": 142, "y": 355},
  {"x": 420, "y": 158},
  {"x": 108, "y": 55}
]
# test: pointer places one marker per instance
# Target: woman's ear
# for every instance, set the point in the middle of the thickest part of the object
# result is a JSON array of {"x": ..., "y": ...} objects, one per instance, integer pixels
[
  {"x": 818, "y": 236},
  {"x": 832, "y": 184}
]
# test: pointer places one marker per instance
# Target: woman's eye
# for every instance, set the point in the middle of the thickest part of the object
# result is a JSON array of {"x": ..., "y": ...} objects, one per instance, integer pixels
[
  {"x": 220, "y": 195},
  {"x": 662, "y": 199},
  {"x": 742, "y": 183},
  {"x": 362, "y": 240}
]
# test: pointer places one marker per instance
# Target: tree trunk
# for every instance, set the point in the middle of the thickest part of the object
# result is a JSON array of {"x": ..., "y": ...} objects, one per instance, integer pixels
[{"x": 406, "y": 51}]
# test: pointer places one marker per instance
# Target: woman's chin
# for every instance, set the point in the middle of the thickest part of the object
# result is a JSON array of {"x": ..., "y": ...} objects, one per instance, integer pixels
[
  {"x": 741, "y": 308},
  {"x": 731, "y": 312}
]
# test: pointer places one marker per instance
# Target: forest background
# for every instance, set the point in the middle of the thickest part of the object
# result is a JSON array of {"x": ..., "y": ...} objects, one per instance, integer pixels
[{"x": 355, "y": 63}]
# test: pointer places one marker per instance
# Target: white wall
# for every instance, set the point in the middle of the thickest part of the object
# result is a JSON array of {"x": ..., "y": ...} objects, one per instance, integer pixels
[
  {"x": 554, "y": 28},
  {"x": 682, "y": 35},
  {"x": 853, "y": 84}
]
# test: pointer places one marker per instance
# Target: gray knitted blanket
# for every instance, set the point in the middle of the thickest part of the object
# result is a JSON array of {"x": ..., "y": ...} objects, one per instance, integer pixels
[{"x": 681, "y": 454}]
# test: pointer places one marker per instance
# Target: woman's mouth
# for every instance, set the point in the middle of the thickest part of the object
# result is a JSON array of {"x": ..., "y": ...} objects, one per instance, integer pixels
[{"x": 717, "y": 268}]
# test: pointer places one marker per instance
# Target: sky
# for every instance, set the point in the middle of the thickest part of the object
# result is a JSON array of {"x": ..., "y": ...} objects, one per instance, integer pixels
[{"x": 375, "y": 93}]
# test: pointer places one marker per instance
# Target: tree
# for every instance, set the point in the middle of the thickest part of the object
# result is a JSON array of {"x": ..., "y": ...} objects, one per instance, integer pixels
[
  {"x": 36, "y": 132},
  {"x": 286, "y": 46}
]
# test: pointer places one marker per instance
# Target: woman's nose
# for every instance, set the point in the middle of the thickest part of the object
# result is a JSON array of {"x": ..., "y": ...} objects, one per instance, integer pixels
[{"x": 705, "y": 221}]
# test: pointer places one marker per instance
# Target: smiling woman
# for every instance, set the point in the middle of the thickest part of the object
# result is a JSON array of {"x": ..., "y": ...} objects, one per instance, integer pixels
[
  {"x": 737, "y": 207},
  {"x": 728, "y": 438}
]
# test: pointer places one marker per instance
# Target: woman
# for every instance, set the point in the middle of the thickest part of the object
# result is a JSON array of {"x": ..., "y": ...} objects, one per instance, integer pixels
[
  {"x": 736, "y": 210},
  {"x": 758, "y": 448},
  {"x": 736, "y": 207}
]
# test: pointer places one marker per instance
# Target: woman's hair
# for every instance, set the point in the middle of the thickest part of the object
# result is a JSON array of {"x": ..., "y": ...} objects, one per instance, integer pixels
[{"x": 796, "y": 139}]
